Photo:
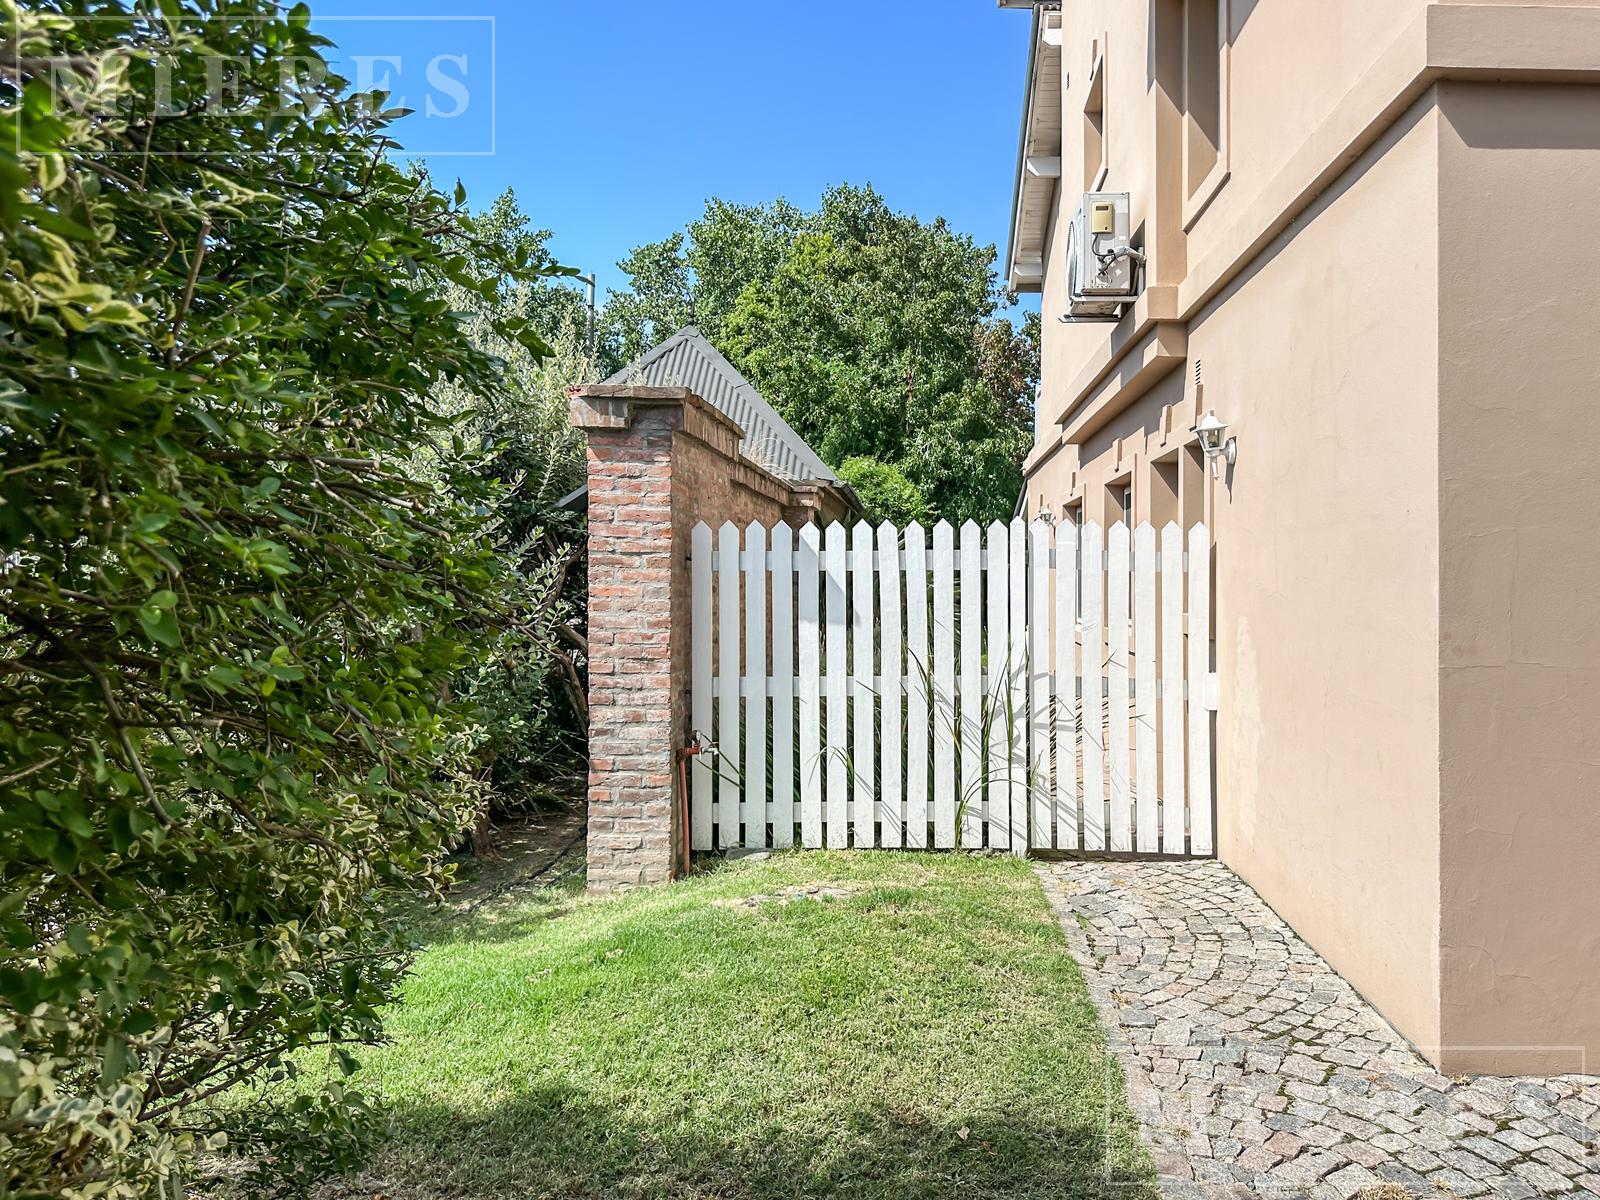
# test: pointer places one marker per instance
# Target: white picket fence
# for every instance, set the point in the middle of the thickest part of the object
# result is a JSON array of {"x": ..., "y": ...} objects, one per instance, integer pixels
[{"x": 859, "y": 688}]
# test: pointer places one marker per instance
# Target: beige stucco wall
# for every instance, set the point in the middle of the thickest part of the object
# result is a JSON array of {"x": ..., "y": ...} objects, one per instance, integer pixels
[
  {"x": 1291, "y": 67},
  {"x": 1327, "y": 561},
  {"x": 1407, "y": 641},
  {"x": 1326, "y": 568},
  {"x": 1519, "y": 656}
]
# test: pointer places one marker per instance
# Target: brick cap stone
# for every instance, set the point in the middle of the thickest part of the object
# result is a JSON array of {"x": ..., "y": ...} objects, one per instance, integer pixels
[
  {"x": 612, "y": 405},
  {"x": 634, "y": 391}
]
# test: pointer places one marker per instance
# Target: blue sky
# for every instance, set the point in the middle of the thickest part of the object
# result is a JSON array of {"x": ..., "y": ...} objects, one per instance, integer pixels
[{"x": 614, "y": 122}]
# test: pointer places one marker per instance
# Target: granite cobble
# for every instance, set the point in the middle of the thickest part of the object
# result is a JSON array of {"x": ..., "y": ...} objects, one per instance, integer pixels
[{"x": 1255, "y": 1069}]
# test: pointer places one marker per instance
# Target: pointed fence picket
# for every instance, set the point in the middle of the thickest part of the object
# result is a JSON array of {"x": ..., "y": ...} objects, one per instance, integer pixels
[
  {"x": 996, "y": 764},
  {"x": 1092, "y": 719},
  {"x": 836, "y": 753},
  {"x": 891, "y": 683},
  {"x": 1016, "y": 704},
  {"x": 1068, "y": 690},
  {"x": 783, "y": 686},
  {"x": 701, "y": 819},
  {"x": 1039, "y": 555},
  {"x": 727, "y": 687},
  {"x": 754, "y": 687},
  {"x": 1172, "y": 699},
  {"x": 807, "y": 577},
  {"x": 1117, "y": 582},
  {"x": 917, "y": 681},
  {"x": 1147, "y": 797},
  {"x": 969, "y": 711},
  {"x": 945, "y": 729},
  {"x": 864, "y": 675},
  {"x": 1016, "y": 688}
]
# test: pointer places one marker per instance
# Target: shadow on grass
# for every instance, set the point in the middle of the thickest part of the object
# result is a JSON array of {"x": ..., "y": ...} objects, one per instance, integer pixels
[
  {"x": 510, "y": 916},
  {"x": 550, "y": 1142},
  {"x": 921, "y": 1034}
]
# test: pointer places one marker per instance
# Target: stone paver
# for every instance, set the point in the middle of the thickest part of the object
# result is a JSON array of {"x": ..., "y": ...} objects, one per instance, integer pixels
[{"x": 1255, "y": 1069}]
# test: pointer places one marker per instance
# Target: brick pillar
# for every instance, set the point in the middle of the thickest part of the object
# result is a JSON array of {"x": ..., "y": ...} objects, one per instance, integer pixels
[{"x": 642, "y": 440}]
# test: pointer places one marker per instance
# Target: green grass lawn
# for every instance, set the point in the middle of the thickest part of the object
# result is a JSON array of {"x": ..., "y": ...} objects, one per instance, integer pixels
[{"x": 923, "y": 1035}]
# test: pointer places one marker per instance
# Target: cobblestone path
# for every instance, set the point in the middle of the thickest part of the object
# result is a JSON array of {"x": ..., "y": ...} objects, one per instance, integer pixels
[{"x": 1256, "y": 1070}]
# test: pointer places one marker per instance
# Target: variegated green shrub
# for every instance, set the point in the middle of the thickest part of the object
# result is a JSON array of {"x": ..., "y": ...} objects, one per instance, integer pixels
[{"x": 231, "y": 609}]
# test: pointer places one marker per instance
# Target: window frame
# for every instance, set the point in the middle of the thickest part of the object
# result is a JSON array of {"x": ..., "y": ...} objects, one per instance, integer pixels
[
  {"x": 1094, "y": 114},
  {"x": 1196, "y": 202}
]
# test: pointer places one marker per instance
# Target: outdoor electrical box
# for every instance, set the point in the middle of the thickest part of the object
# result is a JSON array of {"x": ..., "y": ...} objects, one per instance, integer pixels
[{"x": 1103, "y": 267}]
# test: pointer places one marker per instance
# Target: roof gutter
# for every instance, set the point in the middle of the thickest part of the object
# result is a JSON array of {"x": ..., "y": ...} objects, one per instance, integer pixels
[{"x": 1022, "y": 135}]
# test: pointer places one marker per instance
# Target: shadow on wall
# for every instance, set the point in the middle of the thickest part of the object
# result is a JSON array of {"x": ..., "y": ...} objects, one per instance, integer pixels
[
  {"x": 1524, "y": 126},
  {"x": 1239, "y": 13},
  {"x": 566, "y": 1145}
]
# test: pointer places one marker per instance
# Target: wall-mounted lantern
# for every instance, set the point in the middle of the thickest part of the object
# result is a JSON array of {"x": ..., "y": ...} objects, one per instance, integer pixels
[{"x": 1214, "y": 440}]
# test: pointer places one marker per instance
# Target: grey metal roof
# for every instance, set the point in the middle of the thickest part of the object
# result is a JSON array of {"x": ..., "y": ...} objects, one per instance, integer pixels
[{"x": 687, "y": 359}]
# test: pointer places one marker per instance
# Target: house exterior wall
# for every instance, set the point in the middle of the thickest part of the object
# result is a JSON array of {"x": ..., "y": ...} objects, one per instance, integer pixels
[
  {"x": 1398, "y": 643},
  {"x": 1290, "y": 67},
  {"x": 1326, "y": 565},
  {"x": 1519, "y": 655}
]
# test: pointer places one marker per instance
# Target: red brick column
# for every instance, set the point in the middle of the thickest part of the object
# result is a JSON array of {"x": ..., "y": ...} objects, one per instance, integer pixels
[{"x": 660, "y": 460}]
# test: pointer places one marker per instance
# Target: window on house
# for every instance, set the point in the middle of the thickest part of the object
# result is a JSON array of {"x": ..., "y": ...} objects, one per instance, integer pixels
[
  {"x": 1075, "y": 516},
  {"x": 1122, "y": 496},
  {"x": 1203, "y": 44},
  {"x": 1094, "y": 125},
  {"x": 1191, "y": 487},
  {"x": 1161, "y": 492}
]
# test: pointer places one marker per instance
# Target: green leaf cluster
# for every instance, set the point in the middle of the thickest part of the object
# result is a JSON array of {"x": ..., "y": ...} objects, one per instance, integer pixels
[
  {"x": 233, "y": 603},
  {"x": 529, "y": 697},
  {"x": 875, "y": 334},
  {"x": 884, "y": 491}
]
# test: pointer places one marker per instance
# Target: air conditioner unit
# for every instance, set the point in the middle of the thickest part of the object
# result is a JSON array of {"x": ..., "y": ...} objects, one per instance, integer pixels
[{"x": 1102, "y": 265}]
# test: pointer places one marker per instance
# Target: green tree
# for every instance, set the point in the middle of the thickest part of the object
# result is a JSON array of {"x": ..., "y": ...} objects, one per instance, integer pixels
[
  {"x": 549, "y": 301},
  {"x": 885, "y": 492},
  {"x": 232, "y": 608},
  {"x": 1008, "y": 365},
  {"x": 734, "y": 245},
  {"x": 529, "y": 696},
  {"x": 660, "y": 302},
  {"x": 694, "y": 276},
  {"x": 874, "y": 333},
  {"x": 868, "y": 339}
]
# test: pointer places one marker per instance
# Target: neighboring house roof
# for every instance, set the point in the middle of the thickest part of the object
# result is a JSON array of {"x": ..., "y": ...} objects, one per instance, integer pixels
[{"x": 687, "y": 359}]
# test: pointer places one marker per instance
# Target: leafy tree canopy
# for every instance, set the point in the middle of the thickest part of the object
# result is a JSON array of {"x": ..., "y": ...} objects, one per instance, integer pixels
[
  {"x": 530, "y": 696},
  {"x": 233, "y": 608},
  {"x": 875, "y": 334},
  {"x": 885, "y": 492},
  {"x": 547, "y": 301}
]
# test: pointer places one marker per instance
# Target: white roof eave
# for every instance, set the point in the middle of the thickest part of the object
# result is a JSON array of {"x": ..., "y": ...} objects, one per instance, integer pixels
[{"x": 1038, "y": 142}]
